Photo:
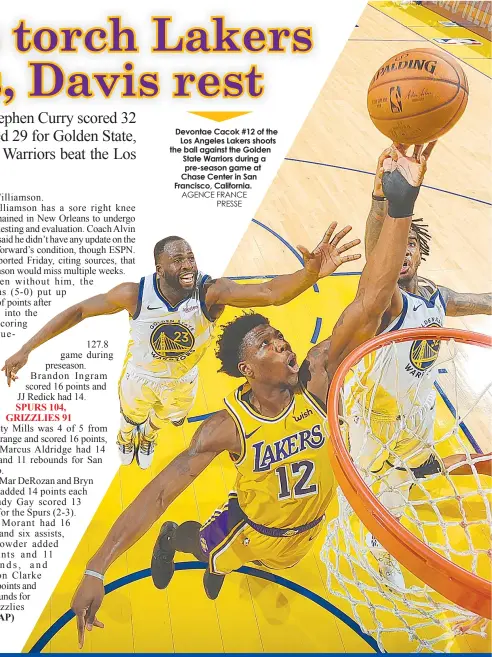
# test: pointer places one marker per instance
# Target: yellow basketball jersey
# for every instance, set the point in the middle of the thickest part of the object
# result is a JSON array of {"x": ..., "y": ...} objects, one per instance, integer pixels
[{"x": 284, "y": 478}]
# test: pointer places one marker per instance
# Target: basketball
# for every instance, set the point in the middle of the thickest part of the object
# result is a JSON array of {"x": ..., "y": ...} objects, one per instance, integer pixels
[{"x": 417, "y": 96}]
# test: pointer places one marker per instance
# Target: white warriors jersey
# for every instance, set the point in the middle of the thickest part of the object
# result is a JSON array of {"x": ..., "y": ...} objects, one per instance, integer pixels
[
  {"x": 399, "y": 379},
  {"x": 167, "y": 341}
]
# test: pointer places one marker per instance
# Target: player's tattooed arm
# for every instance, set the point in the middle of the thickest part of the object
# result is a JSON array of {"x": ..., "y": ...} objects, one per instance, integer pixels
[
  {"x": 460, "y": 304},
  {"x": 379, "y": 207},
  {"x": 217, "y": 434},
  {"x": 374, "y": 223},
  {"x": 122, "y": 297},
  {"x": 321, "y": 262}
]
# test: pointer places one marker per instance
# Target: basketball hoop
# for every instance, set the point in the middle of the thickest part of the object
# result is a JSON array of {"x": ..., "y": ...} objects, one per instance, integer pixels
[{"x": 362, "y": 512}]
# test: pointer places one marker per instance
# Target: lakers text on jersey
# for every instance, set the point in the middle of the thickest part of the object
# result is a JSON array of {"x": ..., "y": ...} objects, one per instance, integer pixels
[{"x": 284, "y": 475}]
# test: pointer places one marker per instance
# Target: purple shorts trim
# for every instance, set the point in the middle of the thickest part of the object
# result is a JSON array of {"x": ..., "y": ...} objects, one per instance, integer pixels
[
  {"x": 220, "y": 525},
  {"x": 214, "y": 533}
]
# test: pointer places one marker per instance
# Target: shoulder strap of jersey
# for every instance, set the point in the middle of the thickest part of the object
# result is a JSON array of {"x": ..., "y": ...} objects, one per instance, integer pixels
[
  {"x": 140, "y": 297},
  {"x": 201, "y": 281},
  {"x": 398, "y": 321}
]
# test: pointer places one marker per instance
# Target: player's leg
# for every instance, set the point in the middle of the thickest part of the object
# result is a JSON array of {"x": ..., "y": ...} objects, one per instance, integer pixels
[
  {"x": 174, "y": 400},
  {"x": 177, "y": 401},
  {"x": 210, "y": 543},
  {"x": 136, "y": 400},
  {"x": 174, "y": 538}
]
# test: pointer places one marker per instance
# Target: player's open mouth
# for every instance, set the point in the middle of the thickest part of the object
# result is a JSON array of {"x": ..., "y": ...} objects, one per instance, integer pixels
[
  {"x": 405, "y": 267},
  {"x": 187, "y": 279},
  {"x": 292, "y": 364}
]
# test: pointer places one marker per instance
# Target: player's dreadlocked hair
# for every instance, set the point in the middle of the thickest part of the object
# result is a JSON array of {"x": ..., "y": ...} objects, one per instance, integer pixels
[
  {"x": 423, "y": 236},
  {"x": 230, "y": 342}
]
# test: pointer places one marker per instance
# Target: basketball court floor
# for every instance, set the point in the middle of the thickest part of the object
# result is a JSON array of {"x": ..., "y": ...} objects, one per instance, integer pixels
[{"x": 325, "y": 177}]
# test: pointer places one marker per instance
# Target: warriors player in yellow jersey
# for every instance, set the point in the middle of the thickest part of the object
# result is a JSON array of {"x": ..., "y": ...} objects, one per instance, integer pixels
[{"x": 273, "y": 428}]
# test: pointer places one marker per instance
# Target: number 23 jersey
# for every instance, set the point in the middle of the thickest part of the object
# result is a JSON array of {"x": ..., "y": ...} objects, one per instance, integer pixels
[
  {"x": 284, "y": 476},
  {"x": 166, "y": 341}
]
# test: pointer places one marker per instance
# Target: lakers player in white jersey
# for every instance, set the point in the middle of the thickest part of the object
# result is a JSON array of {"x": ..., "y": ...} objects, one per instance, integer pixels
[
  {"x": 172, "y": 313},
  {"x": 398, "y": 442},
  {"x": 273, "y": 427}
]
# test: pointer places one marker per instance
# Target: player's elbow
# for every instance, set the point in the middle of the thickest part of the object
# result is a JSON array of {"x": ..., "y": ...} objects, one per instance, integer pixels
[
  {"x": 78, "y": 313},
  {"x": 275, "y": 301}
]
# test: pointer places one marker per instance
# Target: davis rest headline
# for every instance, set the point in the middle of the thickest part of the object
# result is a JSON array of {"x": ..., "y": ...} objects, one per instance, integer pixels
[{"x": 48, "y": 79}]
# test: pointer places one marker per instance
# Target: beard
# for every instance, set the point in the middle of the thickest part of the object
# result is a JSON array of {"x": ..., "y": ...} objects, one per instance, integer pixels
[{"x": 172, "y": 281}]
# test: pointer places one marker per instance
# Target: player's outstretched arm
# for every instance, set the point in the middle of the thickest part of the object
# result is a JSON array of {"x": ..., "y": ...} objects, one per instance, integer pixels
[
  {"x": 460, "y": 304},
  {"x": 321, "y": 262},
  {"x": 362, "y": 318},
  {"x": 122, "y": 297},
  {"x": 215, "y": 435}
]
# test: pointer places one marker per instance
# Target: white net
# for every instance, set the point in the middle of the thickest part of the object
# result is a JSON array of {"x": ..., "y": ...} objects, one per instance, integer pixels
[{"x": 415, "y": 417}]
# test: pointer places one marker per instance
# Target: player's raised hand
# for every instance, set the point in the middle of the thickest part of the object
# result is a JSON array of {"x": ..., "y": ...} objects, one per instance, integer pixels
[
  {"x": 327, "y": 256},
  {"x": 402, "y": 177},
  {"x": 412, "y": 167},
  {"x": 14, "y": 364},
  {"x": 85, "y": 604}
]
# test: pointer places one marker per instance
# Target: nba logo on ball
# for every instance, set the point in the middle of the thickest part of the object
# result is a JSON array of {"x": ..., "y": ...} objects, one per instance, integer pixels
[
  {"x": 395, "y": 99},
  {"x": 427, "y": 92}
]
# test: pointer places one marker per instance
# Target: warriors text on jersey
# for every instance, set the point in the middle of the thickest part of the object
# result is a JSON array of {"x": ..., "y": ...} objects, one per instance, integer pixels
[
  {"x": 167, "y": 341},
  {"x": 284, "y": 478}
]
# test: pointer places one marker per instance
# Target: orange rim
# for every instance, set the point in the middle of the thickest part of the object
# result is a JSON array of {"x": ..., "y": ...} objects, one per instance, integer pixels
[{"x": 453, "y": 582}]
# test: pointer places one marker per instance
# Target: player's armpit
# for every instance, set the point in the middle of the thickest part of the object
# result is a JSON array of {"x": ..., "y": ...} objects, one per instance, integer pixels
[
  {"x": 356, "y": 325},
  {"x": 460, "y": 304},
  {"x": 313, "y": 373}
]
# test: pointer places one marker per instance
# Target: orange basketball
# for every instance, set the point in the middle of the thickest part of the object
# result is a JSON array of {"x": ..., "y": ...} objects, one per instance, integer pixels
[{"x": 417, "y": 95}]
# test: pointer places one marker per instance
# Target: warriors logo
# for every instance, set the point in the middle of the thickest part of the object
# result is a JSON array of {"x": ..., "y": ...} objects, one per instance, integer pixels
[
  {"x": 423, "y": 353},
  {"x": 171, "y": 341},
  {"x": 395, "y": 100}
]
